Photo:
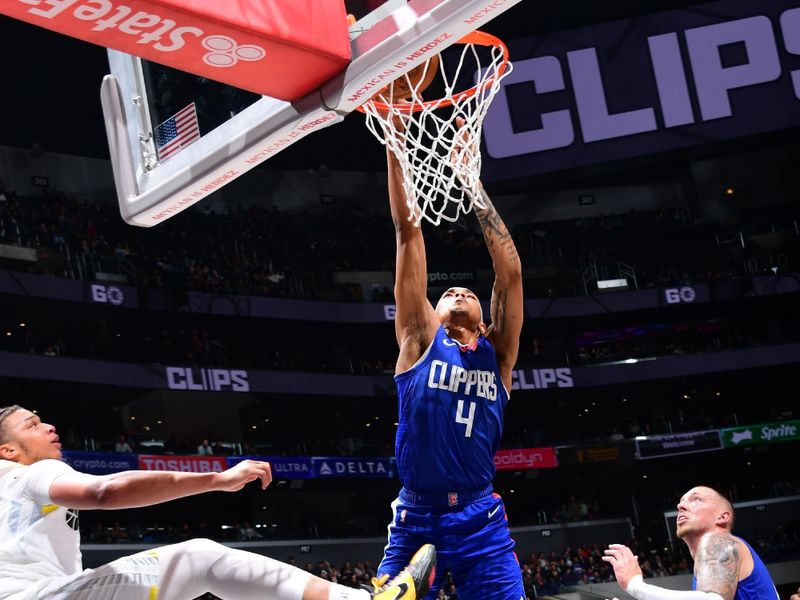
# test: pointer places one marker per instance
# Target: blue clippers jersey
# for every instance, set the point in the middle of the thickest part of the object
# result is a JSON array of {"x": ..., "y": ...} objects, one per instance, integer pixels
[
  {"x": 756, "y": 586},
  {"x": 451, "y": 417}
]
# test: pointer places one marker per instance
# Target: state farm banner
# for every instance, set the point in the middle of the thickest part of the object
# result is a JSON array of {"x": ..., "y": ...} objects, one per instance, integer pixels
[
  {"x": 656, "y": 446},
  {"x": 650, "y": 84},
  {"x": 525, "y": 459},
  {"x": 283, "y": 467},
  {"x": 270, "y": 47},
  {"x": 188, "y": 464}
]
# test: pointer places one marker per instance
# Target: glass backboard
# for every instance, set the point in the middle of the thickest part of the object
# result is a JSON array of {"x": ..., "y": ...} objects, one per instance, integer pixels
[{"x": 175, "y": 138}]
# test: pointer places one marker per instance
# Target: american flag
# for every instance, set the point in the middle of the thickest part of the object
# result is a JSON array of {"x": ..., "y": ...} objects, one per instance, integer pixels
[{"x": 177, "y": 132}]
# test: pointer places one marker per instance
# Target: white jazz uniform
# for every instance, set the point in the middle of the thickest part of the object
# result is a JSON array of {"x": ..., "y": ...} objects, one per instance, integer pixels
[
  {"x": 40, "y": 542},
  {"x": 40, "y": 557}
]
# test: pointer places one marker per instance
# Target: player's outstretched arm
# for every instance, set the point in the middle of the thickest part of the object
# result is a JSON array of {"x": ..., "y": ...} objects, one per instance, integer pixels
[
  {"x": 629, "y": 576},
  {"x": 132, "y": 489},
  {"x": 507, "y": 309},
  {"x": 415, "y": 320}
]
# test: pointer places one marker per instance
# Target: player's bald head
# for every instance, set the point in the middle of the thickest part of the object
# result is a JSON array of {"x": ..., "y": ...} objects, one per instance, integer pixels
[{"x": 718, "y": 498}]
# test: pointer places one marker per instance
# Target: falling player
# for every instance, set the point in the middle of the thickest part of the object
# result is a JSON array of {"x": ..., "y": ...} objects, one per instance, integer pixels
[{"x": 39, "y": 539}]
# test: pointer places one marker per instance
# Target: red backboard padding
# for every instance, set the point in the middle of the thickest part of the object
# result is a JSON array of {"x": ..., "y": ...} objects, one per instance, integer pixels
[{"x": 279, "y": 48}]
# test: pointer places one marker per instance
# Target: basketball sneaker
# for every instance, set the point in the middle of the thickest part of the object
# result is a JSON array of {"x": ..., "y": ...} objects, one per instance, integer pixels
[{"x": 413, "y": 582}]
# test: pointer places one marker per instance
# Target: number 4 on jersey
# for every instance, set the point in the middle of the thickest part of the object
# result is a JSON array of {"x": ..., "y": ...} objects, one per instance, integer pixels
[{"x": 460, "y": 418}]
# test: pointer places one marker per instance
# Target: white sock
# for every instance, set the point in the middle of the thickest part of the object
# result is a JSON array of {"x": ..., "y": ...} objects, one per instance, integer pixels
[{"x": 340, "y": 592}]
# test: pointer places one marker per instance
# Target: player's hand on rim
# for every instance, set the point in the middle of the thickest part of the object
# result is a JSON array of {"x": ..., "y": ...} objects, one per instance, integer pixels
[
  {"x": 235, "y": 478},
  {"x": 625, "y": 564}
]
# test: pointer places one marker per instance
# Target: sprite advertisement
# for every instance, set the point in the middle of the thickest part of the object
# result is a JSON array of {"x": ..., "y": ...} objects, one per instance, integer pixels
[{"x": 765, "y": 433}]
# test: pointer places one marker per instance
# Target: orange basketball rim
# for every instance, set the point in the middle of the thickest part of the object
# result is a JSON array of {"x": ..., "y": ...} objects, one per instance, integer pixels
[{"x": 477, "y": 38}]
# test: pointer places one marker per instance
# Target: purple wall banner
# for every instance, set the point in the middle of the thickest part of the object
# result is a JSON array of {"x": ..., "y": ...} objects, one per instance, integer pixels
[
  {"x": 354, "y": 466},
  {"x": 100, "y": 463},
  {"x": 600, "y": 304},
  {"x": 24, "y": 284},
  {"x": 639, "y": 86},
  {"x": 41, "y": 286},
  {"x": 111, "y": 295},
  {"x": 788, "y": 283},
  {"x": 656, "y": 446},
  {"x": 88, "y": 371},
  {"x": 282, "y": 308},
  {"x": 283, "y": 467}
]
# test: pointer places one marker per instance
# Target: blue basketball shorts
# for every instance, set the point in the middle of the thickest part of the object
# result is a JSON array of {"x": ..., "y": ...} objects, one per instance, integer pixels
[{"x": 472, "y": 542}]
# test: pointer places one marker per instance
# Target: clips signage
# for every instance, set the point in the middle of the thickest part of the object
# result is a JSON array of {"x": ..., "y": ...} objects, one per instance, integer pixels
[
  {"x": 208, "y": 380},
  {"x": 729, "y": 70},
  {"x": 541, "y": 379}
]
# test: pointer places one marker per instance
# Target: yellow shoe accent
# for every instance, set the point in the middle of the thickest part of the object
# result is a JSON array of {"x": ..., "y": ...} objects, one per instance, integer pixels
[
  {"x": 414, "y": 581},
  {"x": 379, "y": 582},
  {"x": 400, "y": 588}
]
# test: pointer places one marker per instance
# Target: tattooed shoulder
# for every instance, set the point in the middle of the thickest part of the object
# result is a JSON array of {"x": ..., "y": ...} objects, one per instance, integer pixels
[{"x": 717, "y": 565}]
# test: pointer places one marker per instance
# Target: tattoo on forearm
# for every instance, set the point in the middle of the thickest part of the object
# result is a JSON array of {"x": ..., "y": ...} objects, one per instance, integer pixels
[
  {"x": 499, "y": 297},
  {"x": 717, "y": 565},
  {"x": 494, "y": 230}
]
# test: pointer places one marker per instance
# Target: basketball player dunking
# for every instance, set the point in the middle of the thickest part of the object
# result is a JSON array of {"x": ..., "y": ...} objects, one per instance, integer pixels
[
  {"x": 453, "y": 375},
  {"x": 725, "y": 566},
  {"x": 40, "y": 554}
]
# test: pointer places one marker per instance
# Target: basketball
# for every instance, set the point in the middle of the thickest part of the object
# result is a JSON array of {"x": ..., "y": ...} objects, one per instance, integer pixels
[{"x": 418, "y": 78}]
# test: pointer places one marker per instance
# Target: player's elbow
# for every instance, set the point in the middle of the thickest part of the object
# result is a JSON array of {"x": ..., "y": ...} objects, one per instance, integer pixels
[
  {"x": 405, "y": 231},
  {"x": 509, "y": 272},
  {"x": 103, "y": 493}
]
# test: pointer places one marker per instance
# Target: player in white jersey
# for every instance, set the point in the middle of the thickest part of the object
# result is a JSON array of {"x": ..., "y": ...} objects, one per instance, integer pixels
[{"x": 40, "y": 543}]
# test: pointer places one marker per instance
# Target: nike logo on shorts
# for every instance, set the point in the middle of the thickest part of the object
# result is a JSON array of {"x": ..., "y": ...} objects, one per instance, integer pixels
[{"x": 491, "y": 512}]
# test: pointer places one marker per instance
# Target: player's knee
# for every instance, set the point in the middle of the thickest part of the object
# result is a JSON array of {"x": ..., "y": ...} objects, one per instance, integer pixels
[
  {"x": 199, "y": 547},
  {"x": 206, "y": 545}
]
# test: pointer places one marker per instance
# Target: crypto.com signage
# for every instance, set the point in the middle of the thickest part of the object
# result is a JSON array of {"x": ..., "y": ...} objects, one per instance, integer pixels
[{"x": 655, "y": 83}]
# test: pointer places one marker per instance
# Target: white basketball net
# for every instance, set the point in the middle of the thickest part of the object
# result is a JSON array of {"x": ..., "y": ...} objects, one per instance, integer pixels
[{"x": 440, "y": 158}]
